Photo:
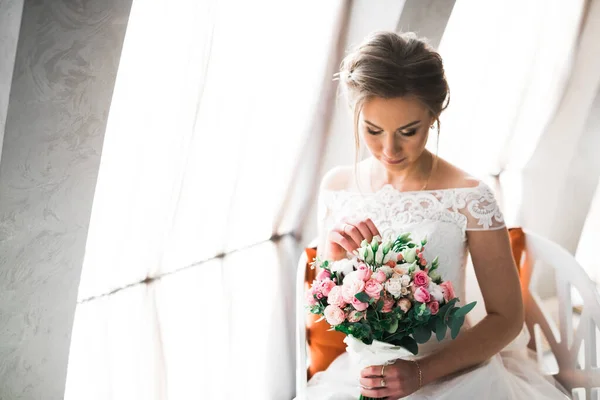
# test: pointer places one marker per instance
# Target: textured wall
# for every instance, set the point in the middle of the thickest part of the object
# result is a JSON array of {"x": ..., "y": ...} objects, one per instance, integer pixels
[
  {"x": 66, "y": 64},
  {"x": 10, "y": 21}
]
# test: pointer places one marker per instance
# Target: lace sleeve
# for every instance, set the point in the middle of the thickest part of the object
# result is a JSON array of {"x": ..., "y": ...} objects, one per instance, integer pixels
[{"x": 480, "y": 208}]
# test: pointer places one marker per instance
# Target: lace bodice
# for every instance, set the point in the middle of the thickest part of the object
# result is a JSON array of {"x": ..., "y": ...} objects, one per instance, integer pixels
[{"x": 442, "y": 216}]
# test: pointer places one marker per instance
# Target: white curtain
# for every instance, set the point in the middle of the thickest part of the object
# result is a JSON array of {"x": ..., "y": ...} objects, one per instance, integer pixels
[
  {"x": 187, "y": 284},
  {"x": 510, "y": 66},
  {"x": 507, "y": 64}
]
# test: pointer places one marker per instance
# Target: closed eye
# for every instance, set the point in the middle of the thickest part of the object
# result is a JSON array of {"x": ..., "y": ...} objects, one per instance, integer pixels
[
  {"x": 372, "y": 132},
  {"x": 409, "y": 133}
]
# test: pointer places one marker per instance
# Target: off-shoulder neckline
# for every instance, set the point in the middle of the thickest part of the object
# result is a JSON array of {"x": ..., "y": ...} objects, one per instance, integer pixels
[{"x": 390, "y": 187}]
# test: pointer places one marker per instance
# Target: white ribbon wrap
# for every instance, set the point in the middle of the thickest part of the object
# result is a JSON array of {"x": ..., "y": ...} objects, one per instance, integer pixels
[{"x": 378, "y": 353}]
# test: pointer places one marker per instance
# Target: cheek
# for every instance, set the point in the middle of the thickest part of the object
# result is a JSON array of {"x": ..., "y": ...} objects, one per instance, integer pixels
[{"x": 372, "y": 142}]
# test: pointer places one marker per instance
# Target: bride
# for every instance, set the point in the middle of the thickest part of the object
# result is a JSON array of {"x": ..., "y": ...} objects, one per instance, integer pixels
[{"x": 397, "y": 90}]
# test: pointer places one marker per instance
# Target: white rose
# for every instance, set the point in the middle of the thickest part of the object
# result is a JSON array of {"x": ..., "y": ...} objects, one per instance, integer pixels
[
  {"x": 391, "y": 256},
  {"x": 405, "y": 280},
  {"x": 405, "y": 292},
  {"x": 410, "y": 255},
  {"x": 394, "y": 286},
  {"x": 387, "y": 270},
  {"x": 436, "y": 292},
  {"x": 343, "y": 266},
  {"x": 400, "y": 270}
]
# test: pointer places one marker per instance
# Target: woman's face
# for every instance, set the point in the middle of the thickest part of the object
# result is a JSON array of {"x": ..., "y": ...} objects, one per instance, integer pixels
[{"x": 395, "y": 130}]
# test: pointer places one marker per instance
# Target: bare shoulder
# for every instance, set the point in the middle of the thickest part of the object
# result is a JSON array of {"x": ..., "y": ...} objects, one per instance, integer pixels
[
  {"x": 337, "y": 178},
  {"x": 346, "y": 177},
  {"x": 449, "y": 176}
]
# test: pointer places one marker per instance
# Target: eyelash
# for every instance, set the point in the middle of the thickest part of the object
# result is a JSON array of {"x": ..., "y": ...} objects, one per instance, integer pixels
[{"x": 409, "y": 133}]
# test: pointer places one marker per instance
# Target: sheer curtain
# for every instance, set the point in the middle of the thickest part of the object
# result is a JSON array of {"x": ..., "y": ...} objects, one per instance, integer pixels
[
  {"x": 187, "y": 284},
  {"x": 507, "y": 64}
]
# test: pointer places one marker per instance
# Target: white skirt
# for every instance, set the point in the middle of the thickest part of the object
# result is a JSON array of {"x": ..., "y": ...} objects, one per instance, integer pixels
[{"x": 511, "y": 374}]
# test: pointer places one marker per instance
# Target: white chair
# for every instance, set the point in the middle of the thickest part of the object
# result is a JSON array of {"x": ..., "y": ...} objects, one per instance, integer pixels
[
  {"x": 545, "y": 258},
  {"x": 301, "y": 314}
]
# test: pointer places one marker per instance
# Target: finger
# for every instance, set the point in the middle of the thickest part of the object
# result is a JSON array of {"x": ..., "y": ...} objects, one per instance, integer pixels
[
  {"x": 375, "y": 383},
  {"x": 354, "y": 233},
  {"x": 364, "y": 230},
  {"x": 372, "y": 227},
  {"x": 373, "y": 370},
  {"x": 377, "y": 393},
  {"x": 344, "y": 241}
]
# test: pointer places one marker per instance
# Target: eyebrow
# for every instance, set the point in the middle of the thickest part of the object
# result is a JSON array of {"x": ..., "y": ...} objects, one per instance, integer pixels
[{"x": 399, "y": 129}]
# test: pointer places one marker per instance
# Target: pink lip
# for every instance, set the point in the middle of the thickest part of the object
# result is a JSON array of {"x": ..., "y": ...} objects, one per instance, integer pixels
[{"x": 387, "y": 160}]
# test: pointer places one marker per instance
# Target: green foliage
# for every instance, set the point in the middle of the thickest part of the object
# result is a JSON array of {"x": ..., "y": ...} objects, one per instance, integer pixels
[{"x": 363, "y": 297}]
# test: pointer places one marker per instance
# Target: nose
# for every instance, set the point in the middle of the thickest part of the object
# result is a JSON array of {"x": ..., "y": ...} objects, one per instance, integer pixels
[{"x": 391, "y": 147}]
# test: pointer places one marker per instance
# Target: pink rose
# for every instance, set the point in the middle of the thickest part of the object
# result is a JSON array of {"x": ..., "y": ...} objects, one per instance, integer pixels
[
  {"x": 324, "y": 274},
  {"x": 334, "y": 315},
  {"x": 350, "y": 287},
  {"x": 319, "y": 295},
  {"x": 359, "y": 305},
  {"x": 404, "y": 304},
  {"x": 354, "y": 316},
  {"x": 400, "y": 257},
  {"x": 326, "y": 285},
  {"x": 421, "y": 278},
  {"x": 380, "y": 276},
  {"x": 422, "y": 295},
  {"x": 335, "y": 297},
  {"x": 387, "y": 305},
  {"x": 447, "y": 290},
  {"x": 373, "y": 288},
  {"x": 363, "y": 272},
  {"x": 310, "y": 298},
  {"x": 434, "y": 307}
]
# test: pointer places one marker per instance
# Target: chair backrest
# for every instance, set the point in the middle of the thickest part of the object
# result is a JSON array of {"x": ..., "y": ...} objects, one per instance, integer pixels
[{"x": 543, "y": 257}]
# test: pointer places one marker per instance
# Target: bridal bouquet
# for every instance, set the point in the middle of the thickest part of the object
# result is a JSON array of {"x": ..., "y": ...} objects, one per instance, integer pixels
[{"x": 386, "y": 298}]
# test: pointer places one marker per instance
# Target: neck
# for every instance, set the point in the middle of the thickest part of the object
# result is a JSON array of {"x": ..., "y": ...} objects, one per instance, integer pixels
[{"x": 411, "y": 178}]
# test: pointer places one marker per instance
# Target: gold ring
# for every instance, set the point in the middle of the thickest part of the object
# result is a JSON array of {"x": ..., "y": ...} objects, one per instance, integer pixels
[
  {"x": 382, "y": 384},
  {"x": 383, "y": 370}
]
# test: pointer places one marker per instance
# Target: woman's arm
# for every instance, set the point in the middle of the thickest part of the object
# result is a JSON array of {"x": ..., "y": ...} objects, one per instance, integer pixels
[{"x": 499, "y": 282}]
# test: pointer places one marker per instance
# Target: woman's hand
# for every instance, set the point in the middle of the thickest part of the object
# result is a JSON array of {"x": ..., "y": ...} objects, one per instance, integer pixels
[
  {"x": 398, "y": 380},
  {"x": 347, "y": 236}
]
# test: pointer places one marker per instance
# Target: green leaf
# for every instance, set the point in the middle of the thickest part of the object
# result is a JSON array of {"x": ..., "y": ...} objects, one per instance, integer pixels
[
  {"x": 464, "y": 310},
  {"x": 421, "y": 334},
  {"x": 448, "y": 307},
  {"x": 409, "y": 344},
  {"x": 440, "y": 329},
  {"x": 362, "y": 296},
  {"x": 393, "y": 326},
  {"x": 379, "y": 305},
  {"x": 456, "y": 325}
]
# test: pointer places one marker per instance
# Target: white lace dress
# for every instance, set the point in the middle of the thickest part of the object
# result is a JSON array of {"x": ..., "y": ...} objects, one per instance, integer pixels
[{"x": 444, "y": 217}]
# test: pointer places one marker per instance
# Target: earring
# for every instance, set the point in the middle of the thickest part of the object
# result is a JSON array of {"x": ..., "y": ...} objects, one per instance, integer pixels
[{"x": 432, "y": 127}]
